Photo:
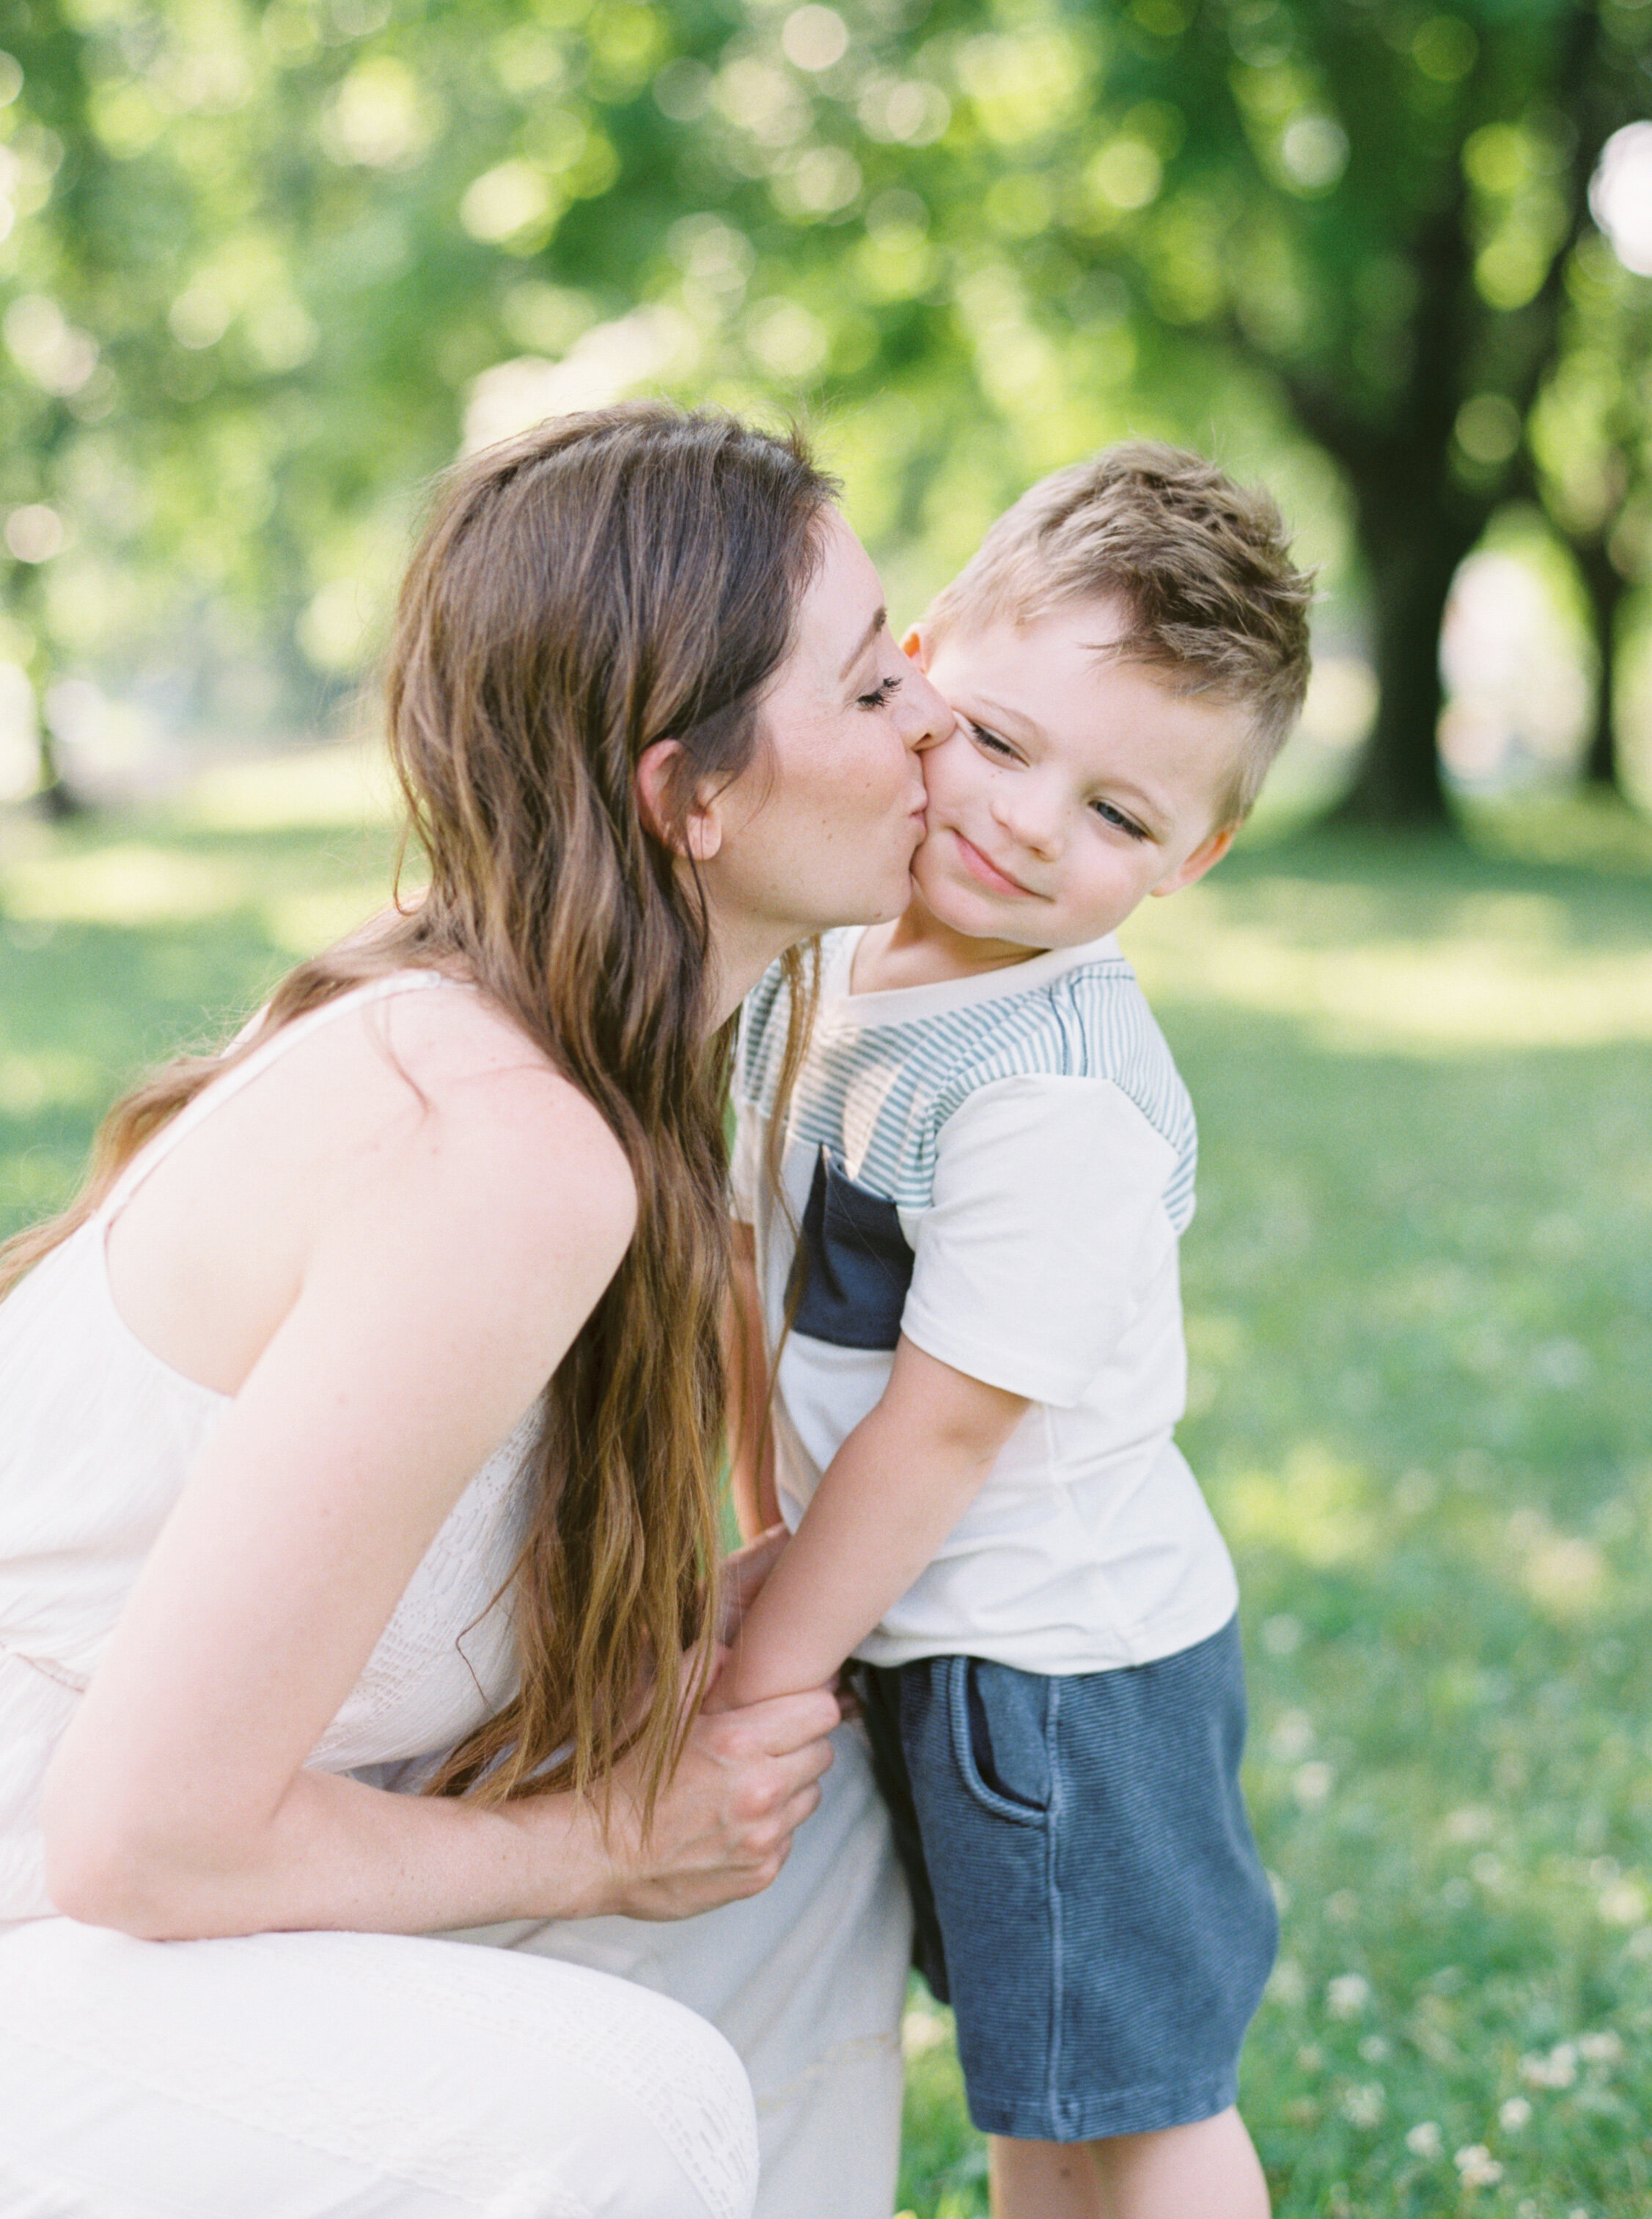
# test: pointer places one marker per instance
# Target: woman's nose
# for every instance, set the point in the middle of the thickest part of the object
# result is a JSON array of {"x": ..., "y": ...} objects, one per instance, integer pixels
[{"x": 923, "y": 716}]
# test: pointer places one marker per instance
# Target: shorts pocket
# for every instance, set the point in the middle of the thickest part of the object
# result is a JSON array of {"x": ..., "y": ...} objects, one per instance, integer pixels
[{"x": 1000, "y": 1744}]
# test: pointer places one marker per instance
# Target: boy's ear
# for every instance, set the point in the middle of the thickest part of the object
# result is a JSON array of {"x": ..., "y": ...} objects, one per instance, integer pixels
[
  {"x": 695, "y": 831},
  {"x": 919, "y": 647},
  {"x": 1205, "y": 857}
]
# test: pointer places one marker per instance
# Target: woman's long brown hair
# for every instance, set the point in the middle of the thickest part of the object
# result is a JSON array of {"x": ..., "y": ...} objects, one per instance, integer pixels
[{"x": 600, "y": 583}]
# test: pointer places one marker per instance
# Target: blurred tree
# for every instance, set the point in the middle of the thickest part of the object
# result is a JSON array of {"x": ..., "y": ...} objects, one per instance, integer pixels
[
  {"x": 270, "y": 258},
  {"x": 1590, "y": 444},
  {"x": 1376, "y": 210},
  {"x": 1378, "y": 205},
  {"x": 239, "y": 313},
  {"x": 49, "y": 155}
]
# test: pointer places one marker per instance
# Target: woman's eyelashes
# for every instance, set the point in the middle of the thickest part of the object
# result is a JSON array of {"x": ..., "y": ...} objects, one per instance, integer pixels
[{"x": 885, "y": 691}]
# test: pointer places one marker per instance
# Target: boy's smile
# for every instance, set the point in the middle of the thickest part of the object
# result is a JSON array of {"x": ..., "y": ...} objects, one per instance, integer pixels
[{"x": 1072, "y": 786}]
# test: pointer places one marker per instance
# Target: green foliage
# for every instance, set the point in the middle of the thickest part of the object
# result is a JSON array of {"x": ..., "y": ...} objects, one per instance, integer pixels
[{"x": 269, "y": 260}]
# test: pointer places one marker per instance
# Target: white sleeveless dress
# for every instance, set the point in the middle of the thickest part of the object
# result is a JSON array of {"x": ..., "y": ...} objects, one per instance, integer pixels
[{"x": 358, "y": 2076}]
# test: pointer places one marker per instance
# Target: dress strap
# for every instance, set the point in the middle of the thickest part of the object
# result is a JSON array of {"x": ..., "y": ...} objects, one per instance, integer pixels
[{"x": 217, "y": 1091}]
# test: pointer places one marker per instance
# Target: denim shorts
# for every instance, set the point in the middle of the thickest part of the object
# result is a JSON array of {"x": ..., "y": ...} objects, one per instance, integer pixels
[{"x": 1088, "y": 1892}]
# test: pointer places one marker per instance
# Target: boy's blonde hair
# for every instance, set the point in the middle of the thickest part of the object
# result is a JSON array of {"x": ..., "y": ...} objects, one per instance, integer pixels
[{"x": 1201, "y": 567}]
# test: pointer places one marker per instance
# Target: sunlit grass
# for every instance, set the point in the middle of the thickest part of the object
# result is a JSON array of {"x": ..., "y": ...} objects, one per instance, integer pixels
[
  {"x": 122, "y": 940},
  {"x": 1420, "y": 1309},
  {"x": 1500, "y": 969}
]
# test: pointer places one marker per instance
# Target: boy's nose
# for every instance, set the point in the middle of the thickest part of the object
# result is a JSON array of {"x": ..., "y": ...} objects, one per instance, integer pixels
[
  {"x": 921, "y": 714},
  {"x": 1028, "y": 812}
]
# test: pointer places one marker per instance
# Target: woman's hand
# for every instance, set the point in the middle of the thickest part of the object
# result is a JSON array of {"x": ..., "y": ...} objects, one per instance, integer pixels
[{"x": 724, "y": 1825}]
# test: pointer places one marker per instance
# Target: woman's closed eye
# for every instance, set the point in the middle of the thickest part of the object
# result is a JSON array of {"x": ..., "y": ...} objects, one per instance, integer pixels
[{"x": 883, "y": 693}]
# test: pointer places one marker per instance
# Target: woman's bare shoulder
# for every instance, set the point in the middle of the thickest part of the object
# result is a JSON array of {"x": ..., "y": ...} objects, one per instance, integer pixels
[
  {"x": 418, "y": 1140},
  {"x": 468, "y": 1087},
  {"x": 434, "y": 1102}
]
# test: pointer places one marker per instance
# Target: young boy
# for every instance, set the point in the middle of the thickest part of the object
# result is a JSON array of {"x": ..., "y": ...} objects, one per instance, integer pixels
[{"x": 973, "y": 1283}]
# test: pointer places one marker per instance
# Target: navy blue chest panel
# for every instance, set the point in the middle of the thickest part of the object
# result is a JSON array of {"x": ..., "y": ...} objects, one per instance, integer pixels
[{"x": 854, "y": 1261}]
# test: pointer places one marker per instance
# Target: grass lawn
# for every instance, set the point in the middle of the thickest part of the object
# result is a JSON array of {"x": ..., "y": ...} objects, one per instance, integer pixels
[{"x": 1420, "y": 1310}]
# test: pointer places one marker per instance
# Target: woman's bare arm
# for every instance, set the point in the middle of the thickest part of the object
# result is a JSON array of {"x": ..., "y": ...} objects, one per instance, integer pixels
[{"x": 464, "y": 1253}]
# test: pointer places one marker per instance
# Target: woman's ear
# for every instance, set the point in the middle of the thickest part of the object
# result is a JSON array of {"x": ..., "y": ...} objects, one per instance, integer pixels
[{"x": 695, "y": 831}]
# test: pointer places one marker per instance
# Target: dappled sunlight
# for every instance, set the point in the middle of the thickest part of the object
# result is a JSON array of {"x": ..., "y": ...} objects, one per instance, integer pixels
[
  {"x": 154, "y": 883},
  {"x": 1315, "y": 1506},
  {"x": 49, "y": 1078},
  {"x": 298, "y": 924},
  {"x": 1500, "y": 971},
  {"x": 231, "y": 845},
  {"x": 319, "y": 786},
  {"x": 133, "y": 882},
  {"x": 1565, "y": 1574}
]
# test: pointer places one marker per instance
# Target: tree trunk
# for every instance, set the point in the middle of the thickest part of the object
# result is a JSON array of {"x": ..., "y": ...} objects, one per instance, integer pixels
[
  {"x": 53, "y": 796},
  {"x": 1603, "y": 582},
  {"x": 1412, "y": 547}
]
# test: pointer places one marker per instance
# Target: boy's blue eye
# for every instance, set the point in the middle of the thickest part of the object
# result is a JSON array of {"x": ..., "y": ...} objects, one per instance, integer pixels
[
  {"x": 885, "y": 690},
  {"x": 1117, "y": 817}
]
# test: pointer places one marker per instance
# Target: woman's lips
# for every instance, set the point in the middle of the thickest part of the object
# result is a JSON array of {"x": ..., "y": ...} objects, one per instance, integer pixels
[{"x": 983, "y": 868}]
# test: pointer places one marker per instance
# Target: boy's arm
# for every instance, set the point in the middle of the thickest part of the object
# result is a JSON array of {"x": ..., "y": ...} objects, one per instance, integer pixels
[
  {"x": 893, "y": 1492},
  {"x": 751, "y": 1437}
]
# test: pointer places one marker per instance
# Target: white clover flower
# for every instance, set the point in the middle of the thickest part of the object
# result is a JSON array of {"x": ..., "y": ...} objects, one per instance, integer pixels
[
  {"x": 1605, "y": 2048},
  {"x": 1514, "y": 2114},
  {"x": 1287, "y": 1984},
  {"x": 1311, "y": 1783},
  {"x": 1424, "y": 2139},
  {"x": 1364, "y": 2105},
  {"x": 1557, "y": 2070},
  {"x": 1479, "y": 2168},
  {"x": 1347, "y": 1995}
]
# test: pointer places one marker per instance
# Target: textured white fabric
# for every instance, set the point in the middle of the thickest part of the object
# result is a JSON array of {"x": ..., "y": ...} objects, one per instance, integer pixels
[
  {"x": 338, "y": 2076},
  {"x": 97, "y": 1438},
  {"x": 328, "y": 2076},
  {"x": 295, "y": 2075},
  {"x": 807, "y": 1981},
  {"x": 1029, "y": 1129}
]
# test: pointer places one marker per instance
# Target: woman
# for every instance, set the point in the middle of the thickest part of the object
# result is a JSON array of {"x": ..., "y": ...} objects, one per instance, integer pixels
[{"x": 365, "y": 1411}]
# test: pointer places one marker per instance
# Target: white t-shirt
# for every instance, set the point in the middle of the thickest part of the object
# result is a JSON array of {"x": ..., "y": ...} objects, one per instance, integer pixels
[{"x": 998, "y": 1167}]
